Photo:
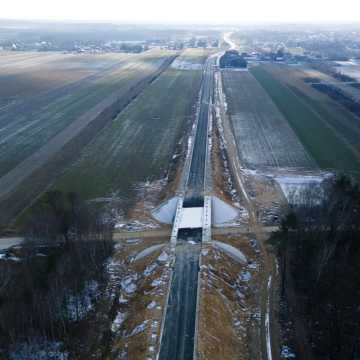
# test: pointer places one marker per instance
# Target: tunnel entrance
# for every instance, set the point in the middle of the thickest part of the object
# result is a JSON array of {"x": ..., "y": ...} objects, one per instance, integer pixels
[{"x": 190, "y": 235}]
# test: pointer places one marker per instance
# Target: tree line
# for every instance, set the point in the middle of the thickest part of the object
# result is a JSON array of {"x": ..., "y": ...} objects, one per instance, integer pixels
[
  {"x": 318, "y": 246},
  {"x": 50, "y": 286}
]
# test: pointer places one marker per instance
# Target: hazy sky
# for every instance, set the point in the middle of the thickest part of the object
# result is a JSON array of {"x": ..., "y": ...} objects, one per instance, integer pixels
[{"x": 190, "y": 11}]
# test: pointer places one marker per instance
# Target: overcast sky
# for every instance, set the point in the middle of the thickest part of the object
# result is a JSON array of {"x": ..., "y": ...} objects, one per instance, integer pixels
[{"x": 189, "y": 11}]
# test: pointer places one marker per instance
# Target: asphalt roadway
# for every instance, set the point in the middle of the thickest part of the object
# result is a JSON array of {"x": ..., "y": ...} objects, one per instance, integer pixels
[
  {"x": 178, "y": 337},
  {"x": 179, "y": 330},
  {"x": 194, "y": 196}
]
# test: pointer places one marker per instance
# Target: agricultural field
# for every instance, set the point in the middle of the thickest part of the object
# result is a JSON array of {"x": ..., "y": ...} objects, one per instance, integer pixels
[
  {"x": 345, "y": 94},
  {"x": 29, "y": 122},
  {"x": 350, "y": 68},
  {"x": 26, "y": 74},
  {"x": 139, "y": 145},
  {"x": 313, "y": 76},
  {"x": 264, "y": 137},
  {"x": 328, "y": 131}
]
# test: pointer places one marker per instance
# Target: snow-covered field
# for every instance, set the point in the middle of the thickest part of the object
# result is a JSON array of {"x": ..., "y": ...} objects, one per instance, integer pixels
[
  {"x": 295, "y": 184},
  {"x": 264, "y": 137},
  {"x": 297, "y": 188},
  {"x": 180, "y": 64},
  {"x": 350, "y": 68},
  {"x": 190, "y": 59}
]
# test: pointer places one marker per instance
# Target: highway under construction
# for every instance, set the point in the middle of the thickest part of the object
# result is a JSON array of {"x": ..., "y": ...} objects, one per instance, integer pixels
[{"x": 191, "y": 227}]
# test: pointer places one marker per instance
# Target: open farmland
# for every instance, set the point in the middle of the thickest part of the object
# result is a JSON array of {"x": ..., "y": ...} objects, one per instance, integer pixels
[
  {"x": 344, "y": 123},
  {"x": 321, "y": 138},
  {"x": 27, "y": 126},
  {"x": 109, "y": 95},
  {"x": 264, "y": 138},
  {"x": 25, "y": 74},
  {"x": 311, "y": 76},
  {"x": 350, "y": 68},
  {"x": 139, "y": 144}
]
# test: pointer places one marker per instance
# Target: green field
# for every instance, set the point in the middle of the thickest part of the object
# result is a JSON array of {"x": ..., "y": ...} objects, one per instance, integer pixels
[
  {"x": 30, "y": 122},
  {"x": 329, "y": 150},
  {"x": 139, "y": 144}
]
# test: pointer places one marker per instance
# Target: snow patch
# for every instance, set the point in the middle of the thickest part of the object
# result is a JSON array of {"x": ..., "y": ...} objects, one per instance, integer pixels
[
  {"x": 137, "y": 225},
  {"x": 157, "y": 282},
  {"x": 222, "y": 212},
  {"x": 231, "y": 251},
  {"x": 134, "y": 241},
  {"x": 149, "y": 269},
  {"x": 9, "y": 258},
  {"x": 286, "y": 353},
  {"x": 129, "y": 284},
  {"x": 79, "y": 305},
  {"x": 139, "y": 328},
  {"x": 164, "y": 256},
  {"x": 295, "y": 187},
  {"x": 151, "y": 305},
  {"x": 204, "y": 252},
  {"x": 245, "y": 276},
  {"x": 267, "y": 324},
  {"x": 40, "y": 350},
  {"x": 165, "y": 213},
  {"x": 118, "y": 321},
  {"x": 122, "y": 299},
  {"x": 181, "y": 64},
  {"x": 148, "y": 251}
]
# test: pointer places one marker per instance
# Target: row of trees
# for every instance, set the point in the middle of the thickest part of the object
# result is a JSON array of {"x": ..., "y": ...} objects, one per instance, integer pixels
[
  {"x": 318, "y": 247},
  {"x": 41, "y": 296}
]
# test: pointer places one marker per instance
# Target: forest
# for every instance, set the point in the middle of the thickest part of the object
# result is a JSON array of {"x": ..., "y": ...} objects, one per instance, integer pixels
[
  {"x": 318, "y": 250},
  {"x": 52, "y": 282}
]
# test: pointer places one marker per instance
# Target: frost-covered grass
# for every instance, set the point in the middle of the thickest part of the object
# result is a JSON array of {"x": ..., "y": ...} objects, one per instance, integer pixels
[{"x": 264, "y": 137}]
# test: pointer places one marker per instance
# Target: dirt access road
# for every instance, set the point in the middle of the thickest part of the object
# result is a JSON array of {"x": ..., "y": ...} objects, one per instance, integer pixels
[{"x": 269, "y": 331}]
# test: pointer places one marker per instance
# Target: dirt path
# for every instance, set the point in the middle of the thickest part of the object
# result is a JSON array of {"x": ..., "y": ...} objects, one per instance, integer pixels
[{"x": 269, "y": 340}]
